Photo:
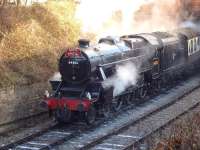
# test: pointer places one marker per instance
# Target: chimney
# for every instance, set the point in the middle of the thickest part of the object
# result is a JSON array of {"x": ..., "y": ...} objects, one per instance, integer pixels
[{"x": 84, "y": 43}]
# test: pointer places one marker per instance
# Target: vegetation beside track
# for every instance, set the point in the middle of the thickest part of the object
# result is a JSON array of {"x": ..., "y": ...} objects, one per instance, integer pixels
[
  {"x": 32, "y": 38},
  {"x": 184, "y": 134}
]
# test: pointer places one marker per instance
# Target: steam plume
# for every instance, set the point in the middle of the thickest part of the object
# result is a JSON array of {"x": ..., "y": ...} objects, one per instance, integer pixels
[
  {"x": 111, "y": 17},
  {"x": 190, "y": 24},
  {"x": 56, "y": 77},
  {"x": 126, "y": 75}
]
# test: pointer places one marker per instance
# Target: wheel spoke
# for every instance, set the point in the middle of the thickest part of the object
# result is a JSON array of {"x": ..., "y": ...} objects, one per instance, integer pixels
[
  {"x": 142, "y": 92},
  {"x": 117, "y": 104},
  {"x": 128, "y": 99}
]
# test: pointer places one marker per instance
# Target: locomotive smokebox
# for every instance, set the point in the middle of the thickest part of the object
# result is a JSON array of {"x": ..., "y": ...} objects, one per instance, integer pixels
[
  {"x": 74, "y": 66},
  {"x": 84, "y": 43}
]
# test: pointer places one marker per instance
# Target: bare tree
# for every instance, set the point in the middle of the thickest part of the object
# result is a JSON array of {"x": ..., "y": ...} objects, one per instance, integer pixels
[
  {"x": 18, "y": 2},
  {"x": 3, "y": 2}
]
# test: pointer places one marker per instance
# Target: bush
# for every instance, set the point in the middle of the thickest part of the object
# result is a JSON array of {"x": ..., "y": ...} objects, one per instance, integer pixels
[
  {"x": 32, "y": 39},
  {"x": 184, "y": 135}
]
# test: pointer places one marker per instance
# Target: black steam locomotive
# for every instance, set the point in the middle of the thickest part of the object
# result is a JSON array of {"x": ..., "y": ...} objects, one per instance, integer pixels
[{"x": 160, "y": 57}]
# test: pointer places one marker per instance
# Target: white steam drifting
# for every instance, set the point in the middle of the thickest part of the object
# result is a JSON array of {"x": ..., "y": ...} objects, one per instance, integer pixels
[
  {"x": 111, "y": 17},
  {"x": 126, "y": 75},
  {"x": 56, "y": 77},
  {"x": 107, "y": 16},
  {"x": 190, "y": 24}
]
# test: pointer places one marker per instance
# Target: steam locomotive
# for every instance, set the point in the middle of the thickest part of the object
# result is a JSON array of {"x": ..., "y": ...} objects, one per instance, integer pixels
[{"x": 160, "y": 58}]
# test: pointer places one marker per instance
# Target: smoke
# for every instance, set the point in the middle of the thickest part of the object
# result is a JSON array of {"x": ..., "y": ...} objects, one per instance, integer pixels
[
  {"x": 111, "y": 17},
  {"x": 126, "y": 75}
]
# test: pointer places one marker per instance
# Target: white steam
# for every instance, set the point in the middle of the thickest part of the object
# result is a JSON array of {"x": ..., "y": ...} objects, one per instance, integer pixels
[
  {"x": 111, "y": 17},
  {"x": 190, "y": 24},
  {"x": 56, "y": 77},
  {"x": 126, "y": 75},
  {"x": 107, "y": 17}
]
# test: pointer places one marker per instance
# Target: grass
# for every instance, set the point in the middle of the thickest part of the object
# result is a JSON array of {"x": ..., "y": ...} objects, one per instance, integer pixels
[{"x": 32, "y": 39}]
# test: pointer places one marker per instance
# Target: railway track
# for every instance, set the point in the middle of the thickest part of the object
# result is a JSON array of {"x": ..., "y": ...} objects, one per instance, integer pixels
[
  {"x": 21, "y": 122},
  {"x": 80, "y": 136},
  {"x": 33, "y": 132},
  {"x": 140, "y": 122},
  {"x": 47, "y": 137},
  {"x": 130, "y": 136}
]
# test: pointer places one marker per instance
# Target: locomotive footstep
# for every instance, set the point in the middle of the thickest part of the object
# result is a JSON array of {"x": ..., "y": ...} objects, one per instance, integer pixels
[{"x": 128, "y": 99}]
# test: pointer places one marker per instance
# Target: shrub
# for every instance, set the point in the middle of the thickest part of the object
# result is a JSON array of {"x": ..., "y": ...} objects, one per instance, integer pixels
[{"x": 32, "y": 39}]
